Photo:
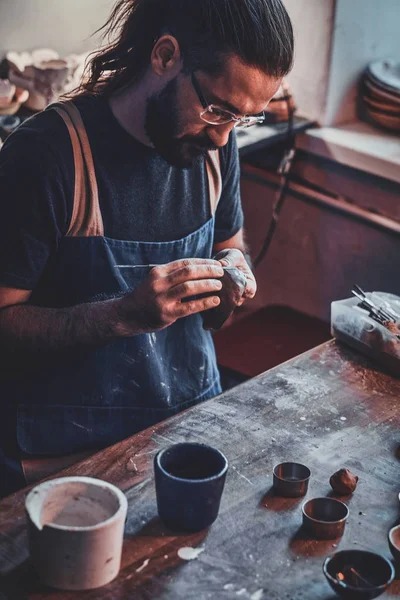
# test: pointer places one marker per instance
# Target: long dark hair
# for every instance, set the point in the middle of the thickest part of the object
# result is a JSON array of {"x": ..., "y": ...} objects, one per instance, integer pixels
[{"x": 259, "y": 32}]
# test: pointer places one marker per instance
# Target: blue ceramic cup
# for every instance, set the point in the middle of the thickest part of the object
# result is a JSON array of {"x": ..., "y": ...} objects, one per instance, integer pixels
[{"x": 189, "y": 479}]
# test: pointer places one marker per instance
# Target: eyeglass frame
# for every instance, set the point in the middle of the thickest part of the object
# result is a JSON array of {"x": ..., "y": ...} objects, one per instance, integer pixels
[{"x": 245, "y": 121}]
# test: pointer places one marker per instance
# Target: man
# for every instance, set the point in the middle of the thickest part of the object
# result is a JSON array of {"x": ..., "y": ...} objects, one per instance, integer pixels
[{"x": 141, "y": 169}]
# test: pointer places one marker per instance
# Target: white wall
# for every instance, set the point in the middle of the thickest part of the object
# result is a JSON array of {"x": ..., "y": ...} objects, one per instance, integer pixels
[
  {"x": 365, "y": 30},
  {"x": 66, "y": 26},
  {"x": 313, "y": 22},
  {"x": 63, "y": 25},
  {"x": 335, "y": 40}
]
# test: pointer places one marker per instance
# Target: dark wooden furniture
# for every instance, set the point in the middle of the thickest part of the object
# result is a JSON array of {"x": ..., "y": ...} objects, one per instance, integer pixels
[
  {"x": 261, "y": 339},
  {"x": 263, "y": 137},
  {"x": 327, "y": 408}
]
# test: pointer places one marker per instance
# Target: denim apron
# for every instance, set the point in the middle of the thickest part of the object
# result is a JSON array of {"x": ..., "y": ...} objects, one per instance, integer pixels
[{"x": 87, "y": 399}]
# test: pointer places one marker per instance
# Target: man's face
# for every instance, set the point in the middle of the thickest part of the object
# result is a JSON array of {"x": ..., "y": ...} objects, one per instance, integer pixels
[
  {"x": 165, "y": 125},
  {"x": 173, "y": 121}
]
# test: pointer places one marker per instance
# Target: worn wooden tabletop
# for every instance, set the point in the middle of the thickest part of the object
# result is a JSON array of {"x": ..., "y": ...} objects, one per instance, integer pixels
[{"x": 327, "y": 409}]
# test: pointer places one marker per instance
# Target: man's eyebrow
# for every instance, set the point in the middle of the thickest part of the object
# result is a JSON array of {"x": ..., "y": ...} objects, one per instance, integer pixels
[{"x": 226, "y": 104}]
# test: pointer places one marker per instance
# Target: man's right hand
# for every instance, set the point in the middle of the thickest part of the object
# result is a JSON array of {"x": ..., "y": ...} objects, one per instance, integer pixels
[
  {"x": 155, "y": 304},
  {"x": 159, "y": 300}
]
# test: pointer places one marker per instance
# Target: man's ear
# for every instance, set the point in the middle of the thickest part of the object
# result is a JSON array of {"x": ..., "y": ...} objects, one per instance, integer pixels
[{"x": 166, "y": 55}]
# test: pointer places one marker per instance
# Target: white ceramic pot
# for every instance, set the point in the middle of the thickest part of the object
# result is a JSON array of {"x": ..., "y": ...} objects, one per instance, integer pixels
[{"x": 76, "y": 528}]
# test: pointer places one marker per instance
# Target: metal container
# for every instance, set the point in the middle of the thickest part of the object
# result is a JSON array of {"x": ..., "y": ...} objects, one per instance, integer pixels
[
  {"x": 324, "y": 518},
  {"x": 291, "y": 479}
]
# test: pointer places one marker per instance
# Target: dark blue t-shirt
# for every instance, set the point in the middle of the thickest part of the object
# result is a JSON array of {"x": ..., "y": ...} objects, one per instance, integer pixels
[{"x": 142, "y": 197}]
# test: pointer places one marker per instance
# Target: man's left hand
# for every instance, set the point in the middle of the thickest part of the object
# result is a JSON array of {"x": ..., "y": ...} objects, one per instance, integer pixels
[{"x": 233, "y": 257}]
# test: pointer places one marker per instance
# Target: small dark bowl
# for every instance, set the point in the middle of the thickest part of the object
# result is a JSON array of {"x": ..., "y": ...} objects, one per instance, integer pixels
[
  {"x": 291, "y": 479},
  {"x": 394, "y": 542},
  {"x": 372, "y": 574},
  {"x": 324, "y": 518}
]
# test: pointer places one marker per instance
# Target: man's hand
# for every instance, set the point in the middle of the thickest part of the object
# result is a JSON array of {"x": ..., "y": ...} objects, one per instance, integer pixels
[
  {"x": 157, "y": 302},
  {"x": 233, "y": 257}
]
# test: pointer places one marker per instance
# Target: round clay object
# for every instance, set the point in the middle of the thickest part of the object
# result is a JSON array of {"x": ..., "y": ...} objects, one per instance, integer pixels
[
  {"x": 233, "y": 286},
  {"x": 344, "y": 482}
]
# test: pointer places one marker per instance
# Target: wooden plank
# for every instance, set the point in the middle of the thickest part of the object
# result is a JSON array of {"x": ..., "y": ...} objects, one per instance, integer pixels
[
  {"x": 370, "y": 192},
  {"x": 255, "y": 139},
  {"x": 326, "y": 408},
  {"x": 317, "y": 252}
]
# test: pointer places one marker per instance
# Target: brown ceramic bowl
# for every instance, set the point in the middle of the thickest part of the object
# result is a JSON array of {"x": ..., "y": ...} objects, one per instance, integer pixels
[
  {"x": 324, "y": 518},
  {"x": 394, "y": 542}
]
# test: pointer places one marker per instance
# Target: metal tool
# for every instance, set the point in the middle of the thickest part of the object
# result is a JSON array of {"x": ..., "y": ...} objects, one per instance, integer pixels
[
  {"x": 355, "y": 578},
  {"x": 382, "y": 315},
  {"x": 291, "y": 479},
  {"x": 135, "y": 266}
]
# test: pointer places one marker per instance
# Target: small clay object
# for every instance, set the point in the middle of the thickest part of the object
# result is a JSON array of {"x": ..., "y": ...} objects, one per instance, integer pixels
[
  {"x": 233, "y": 286},
  {"x": 343, "y": 482}
]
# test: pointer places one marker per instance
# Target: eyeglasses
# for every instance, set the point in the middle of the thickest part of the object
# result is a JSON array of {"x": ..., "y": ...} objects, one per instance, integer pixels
[{"x": 215, "y": 115}]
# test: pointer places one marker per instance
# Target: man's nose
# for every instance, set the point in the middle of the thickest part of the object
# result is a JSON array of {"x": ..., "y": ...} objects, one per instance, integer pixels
[{"x": 219, "y": 134}]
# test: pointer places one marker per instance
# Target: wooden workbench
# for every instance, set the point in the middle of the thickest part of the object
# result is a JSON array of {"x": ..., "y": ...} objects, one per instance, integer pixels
[{"x": 327, "y": 409}]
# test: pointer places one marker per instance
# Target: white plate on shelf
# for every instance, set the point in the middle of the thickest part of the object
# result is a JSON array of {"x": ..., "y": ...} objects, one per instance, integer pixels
[{"x": 386, "y": 73}]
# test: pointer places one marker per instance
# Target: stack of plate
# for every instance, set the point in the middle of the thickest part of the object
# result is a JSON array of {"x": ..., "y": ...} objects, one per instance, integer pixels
[{"x": 381, "y": 93}]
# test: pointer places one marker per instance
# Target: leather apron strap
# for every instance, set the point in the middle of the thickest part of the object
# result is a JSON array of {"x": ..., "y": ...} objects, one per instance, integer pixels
[
  {"x": 214, "y": 179},
  {"x": 86, "y": 215},
  {"x": 86, "y": 218}
]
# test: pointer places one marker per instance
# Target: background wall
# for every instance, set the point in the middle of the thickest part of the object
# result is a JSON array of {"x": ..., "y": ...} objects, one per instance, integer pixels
[
  {"x": 335, "y": 39},
  {"x": 66, "y": 26},
  {"x": 313, "y": 23},
  {"x": 318, "y": 253},
  {"x": 63, "y": 25},
  {"x": 364, "y": 30}
]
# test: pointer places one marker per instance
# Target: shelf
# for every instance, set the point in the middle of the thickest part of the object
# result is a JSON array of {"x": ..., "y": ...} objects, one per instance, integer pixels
[
  {"x": 261, "y": 137},
  {"x": 358, "y": 145}
]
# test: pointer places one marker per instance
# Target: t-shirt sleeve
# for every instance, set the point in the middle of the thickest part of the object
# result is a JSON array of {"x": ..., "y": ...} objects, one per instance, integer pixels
[
  {"x": 229, "y": 214},
  {"x": 33, "y": 210}
]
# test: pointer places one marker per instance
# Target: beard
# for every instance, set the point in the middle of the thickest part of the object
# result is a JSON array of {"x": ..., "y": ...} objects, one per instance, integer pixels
[{"x": 163, "y": 125}]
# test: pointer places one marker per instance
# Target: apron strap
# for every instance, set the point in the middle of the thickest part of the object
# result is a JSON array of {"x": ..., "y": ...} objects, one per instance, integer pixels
[
  {"x": 86, "y": 218},
  {"x": 86, "y": 215},
  {"x": 214, "y": 179}
]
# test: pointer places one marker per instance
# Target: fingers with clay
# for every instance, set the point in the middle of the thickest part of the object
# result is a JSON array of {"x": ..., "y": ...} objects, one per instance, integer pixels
[
  {"x": 233, "y": 257},
  {"x": 238, "y": 283}
]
